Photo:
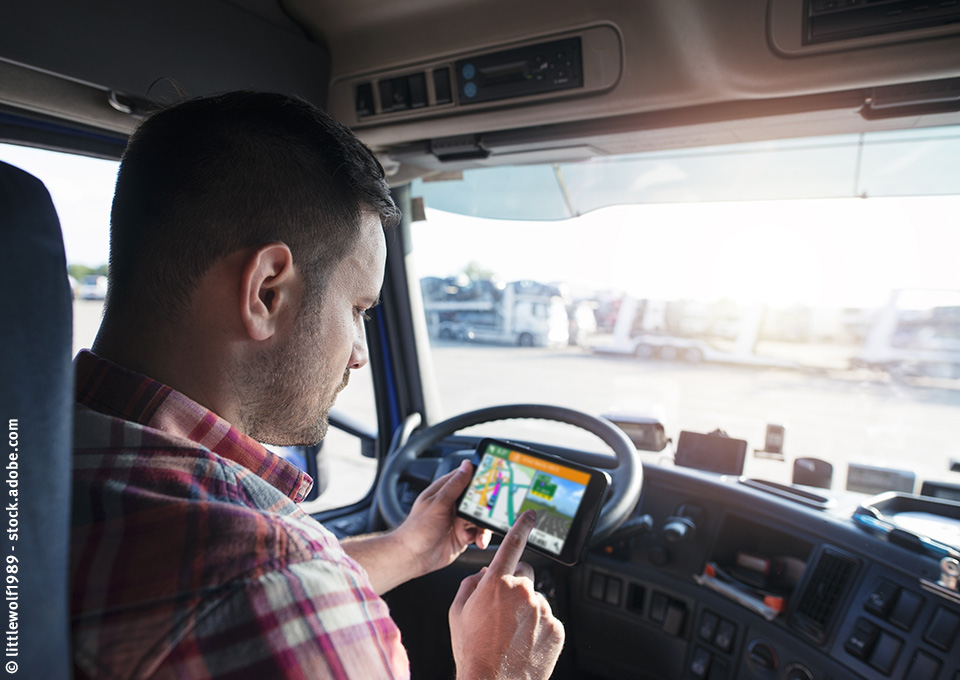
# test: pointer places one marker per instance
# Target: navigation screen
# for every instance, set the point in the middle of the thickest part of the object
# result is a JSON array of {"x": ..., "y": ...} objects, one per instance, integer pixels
[{"x": 507, "y": 483}]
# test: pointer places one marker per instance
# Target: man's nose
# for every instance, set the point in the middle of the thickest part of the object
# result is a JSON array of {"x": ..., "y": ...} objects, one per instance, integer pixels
[{"x": 360, "y": 355}]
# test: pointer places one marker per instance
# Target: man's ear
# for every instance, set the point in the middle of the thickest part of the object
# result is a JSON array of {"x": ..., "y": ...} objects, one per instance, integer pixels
[{"x": 270, "y": 290}]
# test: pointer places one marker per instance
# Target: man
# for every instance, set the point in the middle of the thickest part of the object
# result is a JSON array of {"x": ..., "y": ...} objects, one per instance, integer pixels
[{"x": 246, "y": 247}]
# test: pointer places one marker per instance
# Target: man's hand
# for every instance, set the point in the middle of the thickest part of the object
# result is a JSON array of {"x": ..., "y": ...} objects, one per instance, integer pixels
[
  {"x": 432, "y": 532},
  {"x": 430, "y": 538},
  {"x": 500, "y": 626}
]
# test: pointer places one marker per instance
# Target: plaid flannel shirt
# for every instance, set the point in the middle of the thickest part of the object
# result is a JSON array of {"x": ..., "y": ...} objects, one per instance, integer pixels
[{"x": 190, "y": 557}]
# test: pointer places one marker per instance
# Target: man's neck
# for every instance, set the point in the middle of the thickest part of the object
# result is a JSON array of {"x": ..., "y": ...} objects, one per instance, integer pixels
[{"x": 175, "y": 358}]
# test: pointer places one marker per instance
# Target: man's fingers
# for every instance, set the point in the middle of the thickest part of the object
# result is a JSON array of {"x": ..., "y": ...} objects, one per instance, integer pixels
[
  {"x": 455, "y": 484},
  {"x": 436, "y": 485},
  {"x": 505, "y": 562},
  {"x": 467, "y": 586},
  {"x": 524, "y": 570},
  {"x": 450, "y": 485},
  {"x": 468, "y": 532}
]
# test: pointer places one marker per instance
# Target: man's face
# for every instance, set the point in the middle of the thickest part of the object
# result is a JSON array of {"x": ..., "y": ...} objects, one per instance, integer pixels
[{"x": 300, "y": 378}]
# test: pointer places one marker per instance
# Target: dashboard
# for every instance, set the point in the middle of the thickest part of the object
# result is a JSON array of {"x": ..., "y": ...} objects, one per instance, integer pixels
[
  {"x": 854, "y": 607},
  {"x": 841, "y": 602}
]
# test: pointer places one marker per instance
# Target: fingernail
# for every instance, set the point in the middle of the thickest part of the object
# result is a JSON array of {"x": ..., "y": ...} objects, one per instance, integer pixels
[{"x": 464, "y": 466}]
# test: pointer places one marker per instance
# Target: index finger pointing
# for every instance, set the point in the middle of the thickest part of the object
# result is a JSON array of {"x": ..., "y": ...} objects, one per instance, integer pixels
[{"x": 505, "y": 562}]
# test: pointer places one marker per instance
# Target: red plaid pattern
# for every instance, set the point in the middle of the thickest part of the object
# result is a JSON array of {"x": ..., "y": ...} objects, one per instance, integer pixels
[{"x": 190, "y": 557}]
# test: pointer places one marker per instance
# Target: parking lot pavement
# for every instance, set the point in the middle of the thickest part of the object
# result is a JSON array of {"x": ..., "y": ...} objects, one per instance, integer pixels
[
  {"x": 86, "y": 320},
  {"x": 840, "y": 416}
]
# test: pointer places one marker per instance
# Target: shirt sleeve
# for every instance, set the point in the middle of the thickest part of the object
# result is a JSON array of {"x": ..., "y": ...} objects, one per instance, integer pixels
[{"x": 307, "y": 620}]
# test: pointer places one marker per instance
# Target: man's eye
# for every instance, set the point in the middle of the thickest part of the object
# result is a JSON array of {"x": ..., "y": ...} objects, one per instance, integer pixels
[{"x": 362, "y": 313}]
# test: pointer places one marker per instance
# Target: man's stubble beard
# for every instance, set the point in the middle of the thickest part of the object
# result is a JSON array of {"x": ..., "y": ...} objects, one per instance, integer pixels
[{"x": 283, "y": 400}]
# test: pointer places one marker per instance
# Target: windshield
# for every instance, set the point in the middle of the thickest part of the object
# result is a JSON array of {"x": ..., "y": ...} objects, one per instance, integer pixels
[{"x": 800, "y": 296}]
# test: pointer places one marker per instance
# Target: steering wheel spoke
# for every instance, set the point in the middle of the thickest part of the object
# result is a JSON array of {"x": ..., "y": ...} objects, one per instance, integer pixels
[{"x": 420, "y": 472}]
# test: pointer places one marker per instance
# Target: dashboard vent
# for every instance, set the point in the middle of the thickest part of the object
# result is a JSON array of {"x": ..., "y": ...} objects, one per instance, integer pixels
[{"x": 824, "y": 591}]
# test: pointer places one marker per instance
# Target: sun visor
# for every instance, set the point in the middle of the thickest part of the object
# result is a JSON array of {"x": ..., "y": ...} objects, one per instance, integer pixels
[
  {"x": 203, "y": 47},
  {"x": 892, "y": 163}
]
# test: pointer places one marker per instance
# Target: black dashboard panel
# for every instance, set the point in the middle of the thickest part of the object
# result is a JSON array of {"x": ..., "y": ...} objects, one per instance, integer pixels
[{"x": 857, "y": 609}]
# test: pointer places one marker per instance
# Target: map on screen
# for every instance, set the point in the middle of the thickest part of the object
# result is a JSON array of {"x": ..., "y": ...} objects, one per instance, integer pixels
[{"x": 507, "y": 483}]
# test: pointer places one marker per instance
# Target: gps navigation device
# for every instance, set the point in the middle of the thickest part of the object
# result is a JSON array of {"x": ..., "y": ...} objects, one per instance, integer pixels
[{"x": 508, "y": 480}]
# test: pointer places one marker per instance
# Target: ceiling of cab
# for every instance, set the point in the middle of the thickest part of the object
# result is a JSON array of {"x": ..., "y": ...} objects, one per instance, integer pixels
[
  {"x": 649, "y": 74},
  {"x": 102, "y": 64},
  {"x": 694, "y": 67}
]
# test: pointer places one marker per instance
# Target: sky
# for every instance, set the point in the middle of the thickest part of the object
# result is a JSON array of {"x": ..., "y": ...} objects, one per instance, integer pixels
[
  {"x": 567, "y": 497},
  {"x": 830, "y": 252}
]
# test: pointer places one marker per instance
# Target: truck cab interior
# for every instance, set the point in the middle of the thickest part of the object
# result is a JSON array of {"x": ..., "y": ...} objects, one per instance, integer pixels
[{"x": 750, "y": 212}]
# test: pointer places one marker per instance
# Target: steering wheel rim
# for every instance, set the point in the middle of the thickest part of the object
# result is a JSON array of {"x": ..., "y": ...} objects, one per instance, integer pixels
[{"x": 625, "y": 469}]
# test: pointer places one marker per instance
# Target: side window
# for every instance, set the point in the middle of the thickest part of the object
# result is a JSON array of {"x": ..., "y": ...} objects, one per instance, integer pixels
[{"x": 82, "y": 191}]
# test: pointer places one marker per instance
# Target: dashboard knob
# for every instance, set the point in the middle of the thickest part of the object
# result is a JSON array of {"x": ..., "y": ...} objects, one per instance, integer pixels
[
  {"x": 761, "y": 656},
  {"x": 949, "y": 573},
  {"x": 796, "y": 671},
  {"x": 678, "y": 529}
]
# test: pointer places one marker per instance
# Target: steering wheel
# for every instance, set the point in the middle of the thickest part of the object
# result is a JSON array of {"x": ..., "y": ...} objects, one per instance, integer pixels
[{"x": 625, "y": 469}]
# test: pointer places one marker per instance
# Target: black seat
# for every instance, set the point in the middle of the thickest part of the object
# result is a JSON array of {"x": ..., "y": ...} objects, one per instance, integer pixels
[{"x": 36, "y": 415}]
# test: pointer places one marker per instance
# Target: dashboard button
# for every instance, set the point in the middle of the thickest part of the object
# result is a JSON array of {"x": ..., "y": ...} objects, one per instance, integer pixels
[
  {"x": 417, "y": 84},
  {"x": 885, "y": 653},
  {"x": 441, "y": 86},
  {"x": 726, "y": 632},
  {"x": 614, "y": 586},
  {"x": 597, "y": 585},
  {"x": 942, "y": 629},
  {"x": 675, "y": 618},
  {"x": 364, "y": 99},
  {"x": 905, "y": 611},
  {"x": 700, "y": 663},
  {"x": 881, "y": 600},
  {"x": 394, "y": 95},
  {"x": 861, "y": 641},
  {"x": 708, "y": 626},
  {"x": 923, "y": 667},
  {"x": 658, "y": 607}
]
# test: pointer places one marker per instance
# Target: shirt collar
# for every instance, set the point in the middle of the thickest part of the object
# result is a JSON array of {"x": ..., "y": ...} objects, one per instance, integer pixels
[{"x": 111, "y": 389}]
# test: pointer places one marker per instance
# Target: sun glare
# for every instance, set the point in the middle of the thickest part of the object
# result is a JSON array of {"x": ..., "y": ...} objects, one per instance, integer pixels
[{"x": 817, "y": 253}]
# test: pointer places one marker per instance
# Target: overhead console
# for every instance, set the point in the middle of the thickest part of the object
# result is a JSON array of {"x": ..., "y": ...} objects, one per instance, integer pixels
[
  {"x": 800, "y": 27},
  {"x": 574, "y": 64}
]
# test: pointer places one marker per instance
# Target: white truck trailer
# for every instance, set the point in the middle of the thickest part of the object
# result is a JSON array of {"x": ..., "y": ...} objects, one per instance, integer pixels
[{"x": 524, "y": 313}]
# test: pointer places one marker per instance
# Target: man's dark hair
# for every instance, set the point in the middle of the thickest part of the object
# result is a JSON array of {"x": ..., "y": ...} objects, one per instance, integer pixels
[{"x": 210, "y": 176}]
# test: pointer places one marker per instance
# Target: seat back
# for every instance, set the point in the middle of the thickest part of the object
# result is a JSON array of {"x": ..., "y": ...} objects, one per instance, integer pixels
[{"x": 36, "y": 415}]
